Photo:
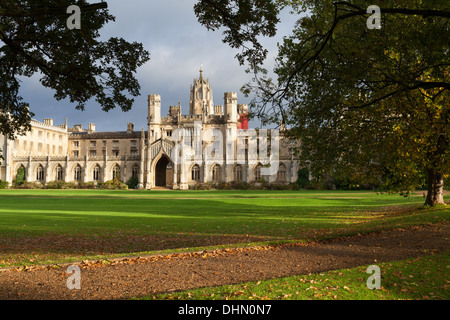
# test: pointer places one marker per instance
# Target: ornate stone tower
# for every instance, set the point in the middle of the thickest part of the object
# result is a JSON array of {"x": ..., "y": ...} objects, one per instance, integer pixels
[
  {"x": 201, "y": 100},
  {"x": 154, "y": 117}
]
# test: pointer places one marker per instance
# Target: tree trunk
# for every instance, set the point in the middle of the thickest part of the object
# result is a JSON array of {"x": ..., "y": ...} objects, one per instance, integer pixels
[{"x": 435, "y": 193}]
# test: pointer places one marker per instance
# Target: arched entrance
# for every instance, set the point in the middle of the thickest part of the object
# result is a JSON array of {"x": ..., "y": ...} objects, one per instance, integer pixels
[{"x": 164, "y": 173}]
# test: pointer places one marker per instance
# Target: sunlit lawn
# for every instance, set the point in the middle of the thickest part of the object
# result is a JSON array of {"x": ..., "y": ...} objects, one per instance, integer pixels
[{"x": 142, "y": 222}]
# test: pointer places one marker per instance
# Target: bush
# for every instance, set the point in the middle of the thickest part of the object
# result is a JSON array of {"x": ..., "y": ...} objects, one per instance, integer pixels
[
  {"x": 114, "y": 184},
  {"x": 132, "y": 183},
  {"x": 4, "y": 184},
  {"x": 20, "y": 178},
  {"x": 29, "y": 185}
]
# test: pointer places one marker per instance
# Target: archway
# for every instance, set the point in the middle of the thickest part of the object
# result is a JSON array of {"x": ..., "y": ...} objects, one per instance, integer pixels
[{"x": 164, "y": 172}]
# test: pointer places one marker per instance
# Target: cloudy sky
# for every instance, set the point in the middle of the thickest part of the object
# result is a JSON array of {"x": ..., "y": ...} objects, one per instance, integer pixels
[{"x": 178, "y": 46}]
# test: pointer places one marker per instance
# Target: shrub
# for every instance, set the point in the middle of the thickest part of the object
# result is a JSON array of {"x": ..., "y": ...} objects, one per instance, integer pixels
[
  {"x": 29, "y": 185},
  {"x": 20, "y": 178},
  {"x": 132, "y": 183},
  {"x": 4, "y": 184},
  {"x": 114, "y": 184}
]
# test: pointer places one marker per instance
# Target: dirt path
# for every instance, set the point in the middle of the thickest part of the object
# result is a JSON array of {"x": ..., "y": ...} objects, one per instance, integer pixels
[{"x": 126, "y": 278}]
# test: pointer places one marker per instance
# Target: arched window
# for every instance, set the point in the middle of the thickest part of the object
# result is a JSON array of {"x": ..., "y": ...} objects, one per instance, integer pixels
[
  {"x": 97, "y": 171},
  {"x": 59, "y": 173},
  {"x": 258, "y": 172},
  {"x": 135, "y": 172},
  {"x": 237, "y": 173},
  {"x": 281, "y": 175},
  {"x": 116, "y": 172},
  {"x": 40, "y": 173},
  {"x": 77, "y": 173},
  {"x": 216, "y": 176},
  {"x": 195, "y": 173}
]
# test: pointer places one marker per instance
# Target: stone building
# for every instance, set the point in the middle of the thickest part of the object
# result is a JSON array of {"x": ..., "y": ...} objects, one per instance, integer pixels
[{"x": 226, "y": 150}]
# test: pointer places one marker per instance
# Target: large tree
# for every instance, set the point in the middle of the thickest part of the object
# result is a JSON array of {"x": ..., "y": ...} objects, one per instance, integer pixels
[
  {"x": 35, "y": 38},
  {"x": 371, "y": 103}
]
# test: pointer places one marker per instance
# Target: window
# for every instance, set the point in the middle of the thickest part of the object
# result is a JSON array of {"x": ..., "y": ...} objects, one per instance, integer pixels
[
  {"x": 76, "y": 144},
  {"x": 40, "y": 173},
  {"x": 216, "y": 176},
  {"x": 60, "y": 138},
  {"x": 59, "y": 173},
  {"x": 195, "y": 172},
  {"x": 60, "y": 150},
  {"x": 40, "y": 147},
  {"x": 281, "y": 175},
  {"x": 258, "y": 172},
  {"x": 92, "y": 153},
  {"x": 134, "y": 153},
  {"x": 237, "y": 173},
  {"x": 97, "y": 171},
  {"x": 115, "y": 153},
  {"x": 133, "y": 143},
  {"x": 135, "y": 172},
  {"x": 75, "y": 153},
  {"x": 40, "y": 134},
  {"x": 77, "y": 173},
  {"x": 115, "y": 144},
  {"x": 93, "y": 144},
  {"x": 116, "y": 172}
]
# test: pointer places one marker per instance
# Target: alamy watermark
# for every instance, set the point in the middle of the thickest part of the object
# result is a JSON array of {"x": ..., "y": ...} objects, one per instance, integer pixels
[
  {"x": 374, "y": 281},
  {"x": 74, "y": 21},
  {"x": 374, "y": 21},
  {"x": 74, "y": 281}
]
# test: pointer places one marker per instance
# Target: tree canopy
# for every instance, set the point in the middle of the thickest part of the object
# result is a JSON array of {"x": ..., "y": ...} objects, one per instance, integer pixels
[
  {"x": 75, "y": 63},
  {"x": 367, "y": 104}
]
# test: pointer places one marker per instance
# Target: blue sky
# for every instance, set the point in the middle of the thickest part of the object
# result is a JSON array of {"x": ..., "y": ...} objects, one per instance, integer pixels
[{"x": 178, "y": 46}]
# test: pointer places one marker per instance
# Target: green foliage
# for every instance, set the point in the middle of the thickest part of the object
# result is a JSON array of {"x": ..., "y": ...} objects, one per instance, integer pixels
[
  {"x": 20, "y": 177},
  {"x": 114, "y": 184},
  {"x": 132, "y": 183},
  {"x": 303, "y": 177},
  {"x": 4, "y": 184},
  {"x": 368, "y": 105},
  {"x": 76, "y": 64}
]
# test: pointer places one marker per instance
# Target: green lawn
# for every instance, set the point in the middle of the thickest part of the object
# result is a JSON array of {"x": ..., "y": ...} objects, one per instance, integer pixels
[{"x": 52, "y": 226}]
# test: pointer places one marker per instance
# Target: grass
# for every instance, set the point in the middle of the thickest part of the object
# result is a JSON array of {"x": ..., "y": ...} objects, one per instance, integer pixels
[
  {"x": 54, "y": 226},
  {"x": 424, "y": 278}
]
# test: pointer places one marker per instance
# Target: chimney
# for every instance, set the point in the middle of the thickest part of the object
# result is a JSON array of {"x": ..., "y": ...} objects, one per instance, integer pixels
[
  {"x": 130, "y": 127},
  {"x": 91, "y": 127},
  {"x": 48, "y": 122}
]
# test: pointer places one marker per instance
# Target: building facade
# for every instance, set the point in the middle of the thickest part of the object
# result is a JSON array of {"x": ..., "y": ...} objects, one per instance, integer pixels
[{"x": 161, "y": 156}]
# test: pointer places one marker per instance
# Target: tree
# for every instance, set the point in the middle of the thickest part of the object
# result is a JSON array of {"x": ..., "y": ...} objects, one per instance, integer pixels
[
  {"x": 35, "y": 39},
  {"x": 372, "y": 101}
]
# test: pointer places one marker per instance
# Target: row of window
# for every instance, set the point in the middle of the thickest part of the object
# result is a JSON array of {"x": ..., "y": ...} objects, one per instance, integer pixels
[
  {"x": 77, "y": 172},
  {"x": 115, "y": 143},
  {"x": 238, "y": 173},
  {"x": 94, "y": 153}
]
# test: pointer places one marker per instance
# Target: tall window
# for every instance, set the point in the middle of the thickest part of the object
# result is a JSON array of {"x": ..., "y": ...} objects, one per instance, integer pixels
[
  {"x": 216, "y": 176},
  {"x": 237, "y": 173},
  {"x": 77, "y": 173},
  {"x": 258, "y": 172},
  {"x": 135, "y": 172},
  {"x": 281, "y": 175},
  {"x": 116, "y": 172},
  {"x": 59, "y": 173},
  {"x": 195, "y": 173},
  {"x": 40, "y": 173},
  {"x": 97, "y": 171}
]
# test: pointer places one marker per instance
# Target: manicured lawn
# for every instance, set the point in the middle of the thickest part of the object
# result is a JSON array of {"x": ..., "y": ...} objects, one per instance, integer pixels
[
  {"x": 52, "y": 226},
  {"x": 424, "y": 278}
]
